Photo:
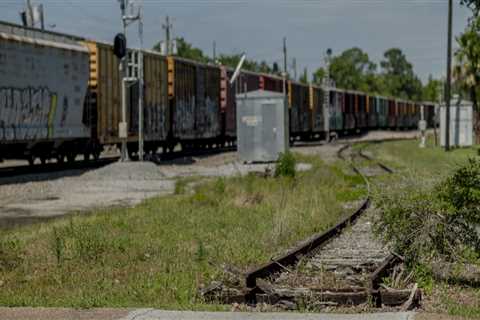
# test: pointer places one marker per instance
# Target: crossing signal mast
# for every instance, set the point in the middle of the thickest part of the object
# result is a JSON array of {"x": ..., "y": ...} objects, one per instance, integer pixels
[{"x": 121, "y": 51}]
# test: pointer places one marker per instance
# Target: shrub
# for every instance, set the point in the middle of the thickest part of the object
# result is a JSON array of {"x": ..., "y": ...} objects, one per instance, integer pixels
[
  {"x": 434, "y": 223},
  {"x": 286, "y": 165},
  {"x": 11, "y": 253},
  {"x": 462, "y": 191}
]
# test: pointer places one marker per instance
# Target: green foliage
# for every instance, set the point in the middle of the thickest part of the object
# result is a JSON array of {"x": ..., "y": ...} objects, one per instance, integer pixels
[
  {"x": 462, "y": 191},
  {"x": 432, "y": 90},
  {"x": 286, "y": 165},
  {"x": 188, "y": 51},
  {"x": 429, "y": 224},
  {"x": 474, "y": 5},
  {"x": 11, "y": 253},
  {"x": 351, "y": 69},
  {"x": 318, "y": 76},
  {"x": 467, "y": 68},
  {"x": 304, "y": 76},
  {"x": 399, "y": 78},
  {"x": 232, "y": 61},
  {"x": 180, "y": 186}
]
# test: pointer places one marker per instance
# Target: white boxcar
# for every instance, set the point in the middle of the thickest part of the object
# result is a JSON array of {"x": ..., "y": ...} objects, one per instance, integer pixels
[{"x": 43, "y": 85}]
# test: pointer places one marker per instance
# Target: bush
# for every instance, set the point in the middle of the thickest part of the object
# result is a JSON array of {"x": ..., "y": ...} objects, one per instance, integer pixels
[
  {"x": 11, "y": 253},
  {"x": 286, "y": 165},
  {"x": 436, "y": 223}
]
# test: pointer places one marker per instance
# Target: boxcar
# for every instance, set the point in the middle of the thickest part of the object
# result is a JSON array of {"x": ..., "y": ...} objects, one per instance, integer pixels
[
  {"x": 392, "y": 113},
  {"x": 43, "y": 85},
  {"x": 429, "y": 114},
  {"x": 195, "y": 104},
  {"x": 335, "y": 112},
  {"x": 372, "y": 112},
  {"x": 349, "y": 111},
  {"x": 299, "y": 110},
  {"x": 361, "y": 111},
  {"x": 382, "y": 104},
  {"x": 270, "y": 83},
  {"x": 317, "y": 107}
]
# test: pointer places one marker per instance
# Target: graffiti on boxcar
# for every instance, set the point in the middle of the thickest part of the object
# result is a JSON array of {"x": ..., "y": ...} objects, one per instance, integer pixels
[
  {"x": 185, "y": 117},
  {"x": 26, "y": 113},
  {"x": 155, "y": 121}
]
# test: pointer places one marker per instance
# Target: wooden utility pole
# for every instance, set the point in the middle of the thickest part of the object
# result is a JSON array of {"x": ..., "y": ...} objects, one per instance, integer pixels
[
  {"x": 448, "y": 86},
  {"x": 167, "y": 26}
]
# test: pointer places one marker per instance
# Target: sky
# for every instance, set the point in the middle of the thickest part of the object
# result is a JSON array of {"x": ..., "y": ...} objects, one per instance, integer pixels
[{"x": 257, "y": 27}]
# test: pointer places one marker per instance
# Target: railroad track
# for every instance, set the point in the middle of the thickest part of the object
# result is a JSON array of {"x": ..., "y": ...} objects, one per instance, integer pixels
[{"x": 343, "y": 266}]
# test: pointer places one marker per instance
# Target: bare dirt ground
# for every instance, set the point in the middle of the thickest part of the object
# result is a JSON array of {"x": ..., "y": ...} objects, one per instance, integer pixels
[{"x": 34, "y": 197}]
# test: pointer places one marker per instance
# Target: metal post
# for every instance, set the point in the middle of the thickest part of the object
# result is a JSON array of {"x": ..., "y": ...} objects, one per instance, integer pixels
[
  {"x": 294, "y": 62},
  {"x": 42, "y": 17},
  {"x": 214, "y": 51},
  {"x": 285, "y": 72},
  {"x": 140, "y": 93},
  {"x": 449, "y": 77},
  {"x": 123, "y": 126}
]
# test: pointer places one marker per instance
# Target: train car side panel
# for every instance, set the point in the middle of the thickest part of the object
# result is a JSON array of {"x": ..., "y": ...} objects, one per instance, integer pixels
[
  {"x": 43, "y": 99},
  {"x": 156, "y": 112}
]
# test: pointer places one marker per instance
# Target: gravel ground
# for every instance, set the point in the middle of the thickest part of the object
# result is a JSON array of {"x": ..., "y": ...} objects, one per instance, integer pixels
[{"x": 30, "y": 198}]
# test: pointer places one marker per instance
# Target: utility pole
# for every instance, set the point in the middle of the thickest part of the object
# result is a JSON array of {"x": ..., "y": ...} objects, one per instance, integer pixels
[
  {"x": 294, "y": 64},
  {"x": 42, "y": 17},
  {"x": 30, "y": 21},
  {"x": 140, "y": 86},
  {"x": 285, "y": 71},
  {"x": 448, "y": 88},
  {"x": 214, "y": 51},
  {"x": 167, "y": 26}
]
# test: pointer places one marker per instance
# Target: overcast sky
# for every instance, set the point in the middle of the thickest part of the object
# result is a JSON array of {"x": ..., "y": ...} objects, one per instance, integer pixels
[{"x": 418, "y": 27}]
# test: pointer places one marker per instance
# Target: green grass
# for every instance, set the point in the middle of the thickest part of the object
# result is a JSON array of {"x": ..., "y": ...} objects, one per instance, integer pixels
[
  {"x": 430, "y": 162},
  {"x": 423, "y": 168},
  {"x": 159, "y": 253}
]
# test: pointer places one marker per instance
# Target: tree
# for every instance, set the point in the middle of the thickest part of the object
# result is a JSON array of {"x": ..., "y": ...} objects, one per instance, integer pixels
[
  {"x": 318, "y": 76},
  {"x": 351, "y": 69},
  {"x": 467, "y": 69},
  {"x": 304, "y": 76},
  {"x": 399, "y": 78},
  {"x": 431, "y": 91},
  {"x": 474, "y": 5},
  {"x": 232, "y": 61},
  {"x": 187, "y": 51}
]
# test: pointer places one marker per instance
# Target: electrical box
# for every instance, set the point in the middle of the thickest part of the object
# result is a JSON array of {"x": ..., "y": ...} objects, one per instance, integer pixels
[
  {"x": 461, "y": 124},
  {"x": 262, "y": 126}
]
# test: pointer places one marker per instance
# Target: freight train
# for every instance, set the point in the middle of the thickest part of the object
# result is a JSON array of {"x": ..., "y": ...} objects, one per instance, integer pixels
[{"x": 61, "y": 96}]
